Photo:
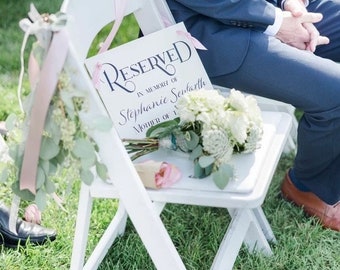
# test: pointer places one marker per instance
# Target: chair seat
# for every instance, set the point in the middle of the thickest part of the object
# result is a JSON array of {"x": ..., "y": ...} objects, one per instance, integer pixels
[{"x": 253, "y": 178}]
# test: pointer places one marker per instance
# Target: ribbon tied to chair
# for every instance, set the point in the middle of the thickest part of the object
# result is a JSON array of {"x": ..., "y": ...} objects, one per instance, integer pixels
[{"x": 50, "y": 34}]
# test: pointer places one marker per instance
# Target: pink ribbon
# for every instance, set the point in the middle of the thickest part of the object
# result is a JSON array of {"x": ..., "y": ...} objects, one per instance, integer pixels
[
  {"x": 120, "y": 8},
  {"x": 46, "y": 86},
  {"x": 197, "y": 44}
]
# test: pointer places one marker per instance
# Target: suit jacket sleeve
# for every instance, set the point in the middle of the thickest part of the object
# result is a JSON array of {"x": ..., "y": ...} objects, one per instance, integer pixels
[{"x": 245, "y": 13}]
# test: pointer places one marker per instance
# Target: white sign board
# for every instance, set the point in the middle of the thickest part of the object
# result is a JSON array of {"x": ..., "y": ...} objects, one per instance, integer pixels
[{"x": 141, "y": 81}]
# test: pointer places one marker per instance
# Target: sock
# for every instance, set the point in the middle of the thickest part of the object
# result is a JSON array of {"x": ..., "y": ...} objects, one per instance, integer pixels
[{"x": 296, "y": 182}]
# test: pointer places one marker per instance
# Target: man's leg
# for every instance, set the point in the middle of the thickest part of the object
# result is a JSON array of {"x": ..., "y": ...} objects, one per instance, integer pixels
[{"x": 310, "y": 83}]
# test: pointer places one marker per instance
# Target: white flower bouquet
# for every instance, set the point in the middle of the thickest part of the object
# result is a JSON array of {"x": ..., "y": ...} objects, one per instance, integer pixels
[{"x": 211, "y": 128}]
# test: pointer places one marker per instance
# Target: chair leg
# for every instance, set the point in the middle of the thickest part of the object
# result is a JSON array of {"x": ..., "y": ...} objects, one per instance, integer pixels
[
  {"x": 244, "y": 227},
  {"x": 266, "y": 228},
  {"x": 82, "y": 228},
  {"x": 159, "y": 206},
  {"x": 255, "y": 239},
  {"x": 232, "y": 240},
  {"x": 115, "y": 228}
]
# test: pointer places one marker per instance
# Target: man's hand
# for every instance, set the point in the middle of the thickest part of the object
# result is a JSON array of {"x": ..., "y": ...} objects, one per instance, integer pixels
[
  {"x": 315, "y": 38},
  {"x": 296, "y": 7},
  {"x": 298, "y": 10}
]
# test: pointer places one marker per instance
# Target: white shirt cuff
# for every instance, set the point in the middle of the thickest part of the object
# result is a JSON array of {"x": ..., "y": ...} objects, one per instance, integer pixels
[{"x": 274, "y": 28}]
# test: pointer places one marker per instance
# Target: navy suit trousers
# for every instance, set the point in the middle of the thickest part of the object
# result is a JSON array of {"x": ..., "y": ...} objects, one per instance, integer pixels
[{"x": 311, "y": 83}]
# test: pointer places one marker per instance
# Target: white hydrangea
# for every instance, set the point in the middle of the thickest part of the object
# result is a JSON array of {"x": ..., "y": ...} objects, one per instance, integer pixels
[
  {"x": 253, "y": 111},
  {"x": 195, "y": 104},
  {"x": 237, "y": 101},
  {"x": 244, "y": 114}
]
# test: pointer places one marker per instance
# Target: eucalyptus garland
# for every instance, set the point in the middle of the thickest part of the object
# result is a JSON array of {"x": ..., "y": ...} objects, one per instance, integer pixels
[{"x": 66, "y": 145}]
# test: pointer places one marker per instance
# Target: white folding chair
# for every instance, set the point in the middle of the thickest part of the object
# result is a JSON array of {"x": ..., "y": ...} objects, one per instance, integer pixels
[{"x": 248, "y": 223}]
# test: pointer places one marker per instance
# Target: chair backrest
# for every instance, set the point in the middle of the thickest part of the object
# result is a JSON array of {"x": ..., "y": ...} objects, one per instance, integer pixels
[
  {"x": 151, "y": 15},
  {"x": 81, "y": 14}
]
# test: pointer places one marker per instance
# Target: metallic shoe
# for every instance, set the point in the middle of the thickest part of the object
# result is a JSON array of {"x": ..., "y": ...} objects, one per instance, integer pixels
[{"x": 26, "y": 231}]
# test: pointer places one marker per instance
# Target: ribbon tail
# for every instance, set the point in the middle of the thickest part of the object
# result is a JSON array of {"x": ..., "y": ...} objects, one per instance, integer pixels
[
  {"x": 96, "y": 75},
  {"x": 33, "y": 71},
  {"x": 120, "y": 7},
  {"x": 22, "y": 68},
  {"x": 195, "y": 42},
  {"x": 13, "y": 216},
  {"x": 53, "y": 64}
]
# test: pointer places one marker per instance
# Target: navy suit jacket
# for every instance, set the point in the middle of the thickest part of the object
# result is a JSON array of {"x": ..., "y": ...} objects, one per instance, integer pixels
[{"x": 223, "y": 27}]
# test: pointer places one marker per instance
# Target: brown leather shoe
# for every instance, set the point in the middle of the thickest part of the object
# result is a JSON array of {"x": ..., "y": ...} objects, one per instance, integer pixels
[{"x": 329, "y": 215}]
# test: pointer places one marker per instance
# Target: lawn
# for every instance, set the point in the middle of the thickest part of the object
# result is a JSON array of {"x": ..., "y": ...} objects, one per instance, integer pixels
[{"x": 196, "y": 231}]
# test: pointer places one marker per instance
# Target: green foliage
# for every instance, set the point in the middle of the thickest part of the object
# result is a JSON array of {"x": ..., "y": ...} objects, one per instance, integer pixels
[
  {"x": 220, "y": 175},
  {"x": 65, "y": 142},
  {"x": 163, "y": 129}
]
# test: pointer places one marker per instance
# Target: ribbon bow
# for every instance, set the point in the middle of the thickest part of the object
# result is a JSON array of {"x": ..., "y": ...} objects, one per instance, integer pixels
[{"x": 42, "y": 26}]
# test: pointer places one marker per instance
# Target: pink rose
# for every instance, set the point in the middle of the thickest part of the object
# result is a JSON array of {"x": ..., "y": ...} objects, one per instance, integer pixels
[
  {"x": 155, "y": 174},
  {"x": 167, "y": 175},
  {"x": 33, "y": 214}
]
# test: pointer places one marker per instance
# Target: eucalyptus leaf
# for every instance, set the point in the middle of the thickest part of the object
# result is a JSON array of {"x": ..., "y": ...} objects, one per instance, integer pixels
[
  {"x": 44, "y": 165},
  {"x": 196, "y": 153},
  {"x": 194, "y": 140},
  {"x": 52, "y": 128},
  {"x": 88, "y": 162},
  {"x": 86, "y": 176},
  {"x": 23, "y": 194},
  {"x": 11, "y": 121},
  {"x": 102, "y": 171},
  {"x": 198, "y": 170},
  {"x": 67, "y": 98},
  {"x": 208, "y": 170},
  {"x": 13, "y": 152},
  {"x": 162, "y": 129},
  {"x": 48, "y": 166},
  {"x": 206, "y": 161},
  {"x": 41, "y": 199},
  {"x": 181, "y": 142},
  {"x": 60, "y": 158},
  {"x": 49, "y": 186},
  {"x": 52, "y": 168},
  {"x": 41, "y": 178},
  {"x": 48, "y": 148},
  {"x": 223, "y": 175},
  {"x": 4, "y": 175},
  {"x": 83, "y": 148}
]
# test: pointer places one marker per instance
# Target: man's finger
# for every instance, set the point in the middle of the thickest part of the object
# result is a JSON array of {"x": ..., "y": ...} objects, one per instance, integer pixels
[
  {"x": 322, "y": 40},
  {"x": 311, "y": 17}
]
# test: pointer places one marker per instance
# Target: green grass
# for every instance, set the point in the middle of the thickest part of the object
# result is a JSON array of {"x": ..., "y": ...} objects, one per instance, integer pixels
[{"x": 196, "y": 231}]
